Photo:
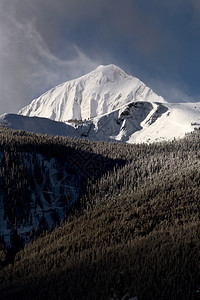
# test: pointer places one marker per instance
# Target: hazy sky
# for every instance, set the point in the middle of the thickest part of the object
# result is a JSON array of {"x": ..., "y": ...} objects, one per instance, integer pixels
[{"x": 46, "y": 42}]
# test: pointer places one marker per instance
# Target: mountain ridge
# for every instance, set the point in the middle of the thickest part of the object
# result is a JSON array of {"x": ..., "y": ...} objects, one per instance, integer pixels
[
  {"x": 99, "y": 92},
  {"x": 135, "y": 122},
  {"x": 106, "y": 104}
]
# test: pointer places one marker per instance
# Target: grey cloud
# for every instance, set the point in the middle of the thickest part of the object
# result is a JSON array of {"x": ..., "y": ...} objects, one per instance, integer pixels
[
  {"x": 27, "y": 66},
  {"x": 180, "y": 4},
  {"x": 122, "y": 18},
  {"x": 134, "y": 24},
  {"x": 196, "y": 4},
  {"x": 172, "y": 91}
]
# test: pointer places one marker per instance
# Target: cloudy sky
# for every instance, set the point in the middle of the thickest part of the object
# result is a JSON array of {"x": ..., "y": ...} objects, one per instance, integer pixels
[{"x": 46, "y": 42}]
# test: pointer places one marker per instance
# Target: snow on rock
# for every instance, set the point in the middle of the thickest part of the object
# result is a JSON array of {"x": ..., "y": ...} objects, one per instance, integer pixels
[
  {"x": 37, "y": 125},
  {"x": 136, "y": 122},
  {"x": 169, "y": 121},
  {"x": 109, "y": 105},
  {"x": 147, "y": 122},
  {"x": 100, "y": 92}
]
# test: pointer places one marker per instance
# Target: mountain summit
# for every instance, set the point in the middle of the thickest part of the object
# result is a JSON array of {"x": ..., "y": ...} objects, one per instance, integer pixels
[
  {"x": 109, "y": 105},
  {"x": 99, "y": 92}
]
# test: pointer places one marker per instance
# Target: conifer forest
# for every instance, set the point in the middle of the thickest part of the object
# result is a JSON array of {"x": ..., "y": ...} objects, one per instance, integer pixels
[{"x": 97, "y": 220}]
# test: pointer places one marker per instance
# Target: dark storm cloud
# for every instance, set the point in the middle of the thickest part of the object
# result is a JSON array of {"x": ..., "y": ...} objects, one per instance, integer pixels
[{"x": 115, "y": 18}]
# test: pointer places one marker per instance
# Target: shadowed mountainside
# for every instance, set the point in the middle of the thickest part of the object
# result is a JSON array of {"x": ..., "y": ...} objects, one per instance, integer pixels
[
  {"x": 141, "y": 218},
  {"x": 41, "y": 179}
]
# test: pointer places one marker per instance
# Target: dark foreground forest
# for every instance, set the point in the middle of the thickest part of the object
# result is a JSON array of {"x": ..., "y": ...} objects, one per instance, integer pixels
[{"x": 135, "y": 230}]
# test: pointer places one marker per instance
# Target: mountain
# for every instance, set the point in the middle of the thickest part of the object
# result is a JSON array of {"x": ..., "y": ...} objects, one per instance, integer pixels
[
  {"x": 100, "y": 92},
  {"x": 135, "y": 122},
  {"x": 108, "y": 105},
  {"x": 116, "y": 201}
]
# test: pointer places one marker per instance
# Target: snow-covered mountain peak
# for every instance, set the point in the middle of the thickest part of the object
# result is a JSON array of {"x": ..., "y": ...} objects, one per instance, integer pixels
[
  {"x": 108, "y": 74},
  {"x": 112, "y": 71},
  {"x": 97, "y": 93}
]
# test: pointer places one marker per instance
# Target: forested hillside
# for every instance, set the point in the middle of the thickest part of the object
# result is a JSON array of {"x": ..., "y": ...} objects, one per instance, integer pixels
[
  {"x": 136, "y": 228},
  {"x": 41, "y": 179}
]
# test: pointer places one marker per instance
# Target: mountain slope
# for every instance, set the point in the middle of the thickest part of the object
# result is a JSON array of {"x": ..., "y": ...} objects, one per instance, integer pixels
[
  {"x": 142, "y": 219},
  {"x": 41, "y": 178},
  {"x": 135, "y": 122},
  {"x": 37, "y": 125},
  {"x": 101, "y": 91}
]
